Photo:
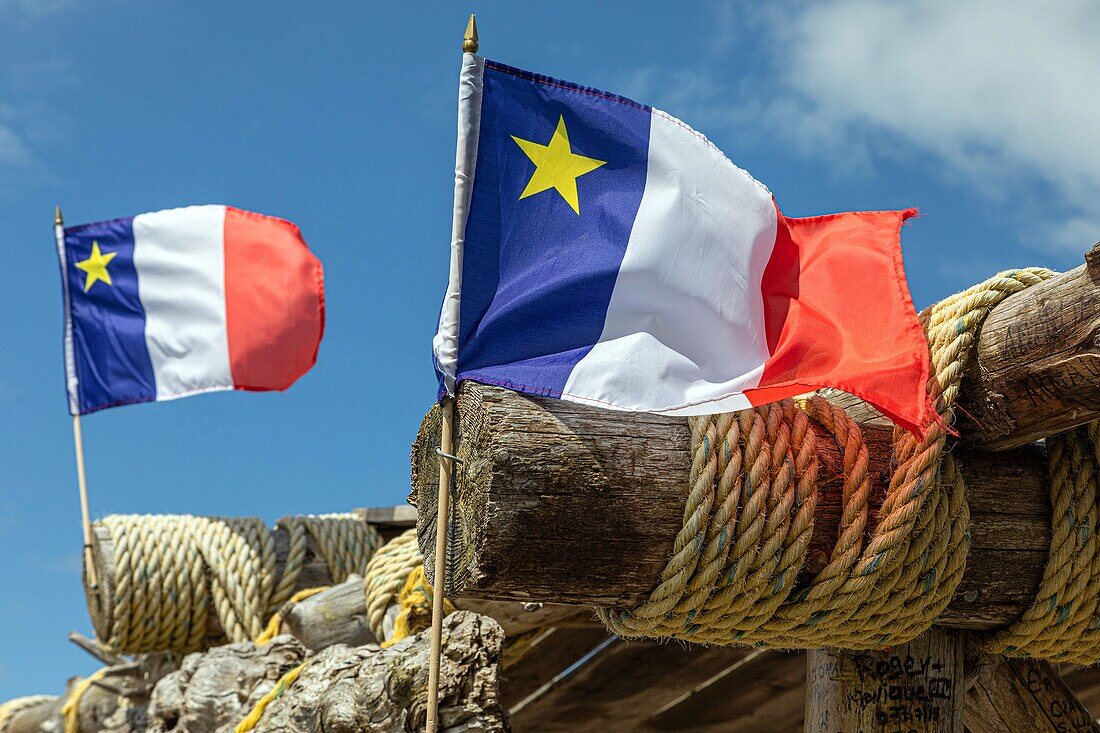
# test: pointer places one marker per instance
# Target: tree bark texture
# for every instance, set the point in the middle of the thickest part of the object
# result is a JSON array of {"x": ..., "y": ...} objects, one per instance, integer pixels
[
  {"x": 362, "y": 690},
  {"x": 561, "y": 503}
]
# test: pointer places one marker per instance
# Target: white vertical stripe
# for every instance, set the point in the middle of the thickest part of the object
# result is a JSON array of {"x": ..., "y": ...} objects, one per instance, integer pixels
[
  {"x": 179, "y": 255},
  {"x": 71, "y": 384},
  {"x": 685, "y": 325},
  {"x": 445, "y": 343}
]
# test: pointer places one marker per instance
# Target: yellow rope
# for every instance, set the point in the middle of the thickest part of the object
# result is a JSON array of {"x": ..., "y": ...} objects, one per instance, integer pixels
[
  {"x": 10, "y": 709},
  {"x": 168, "y": 570},
  {"x": 415, "y": 600},
  {"x": 71, "y": 709},
  {"x": 750, "y": 511},
  {"x": 258, "y": 709},
  {"x": 276, "y": 622}
]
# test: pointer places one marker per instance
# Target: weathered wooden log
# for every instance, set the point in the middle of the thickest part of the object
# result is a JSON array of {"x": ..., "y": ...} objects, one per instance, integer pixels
[
  {"x": 339, "y": 616},
  {"x": 314, "y": 573},
  {"x": 116, "y": 703},
  {"x": 353, "y": 689},
  {"x": 1023, "y": 694},
  {"x": 334, "y": 616},
  {"x": 1036, "y": 368},
  {"x": 919, "y": 687},
  {"x": 561, "y": 503},
  {"x": 215, "y": 690}
]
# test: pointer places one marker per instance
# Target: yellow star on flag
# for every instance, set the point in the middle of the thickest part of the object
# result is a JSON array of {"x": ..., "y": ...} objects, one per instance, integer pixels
[
  {"x": 556, "y": 166},
  {"x": 96, "y": 267}
]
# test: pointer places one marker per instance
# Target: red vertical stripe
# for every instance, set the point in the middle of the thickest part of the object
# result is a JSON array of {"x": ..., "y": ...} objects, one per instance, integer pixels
[
  {"x": 837, "y": 313},
  {"x": 274, "y": 301}
]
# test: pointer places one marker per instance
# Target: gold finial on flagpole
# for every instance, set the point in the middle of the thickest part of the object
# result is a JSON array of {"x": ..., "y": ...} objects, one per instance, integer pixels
[
  {"x": 57, "y": 220},
  {"x": 469, "y": 39}
]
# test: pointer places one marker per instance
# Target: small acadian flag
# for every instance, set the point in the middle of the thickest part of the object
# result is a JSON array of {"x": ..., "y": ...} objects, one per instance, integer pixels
[
  {"x": 185, "y": 301},
  {"x": 606, "y": 253}
]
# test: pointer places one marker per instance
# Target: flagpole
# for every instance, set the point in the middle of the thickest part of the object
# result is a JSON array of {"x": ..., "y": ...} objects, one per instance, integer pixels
[
  {"x": 443, "y": 504},
  {"x": 78, "y": 440}
]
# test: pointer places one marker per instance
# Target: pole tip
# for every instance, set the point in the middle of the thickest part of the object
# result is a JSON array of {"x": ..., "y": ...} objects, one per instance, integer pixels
[
  {"x": 57, "y": 216},
  {"x": 469, "y": 39}
]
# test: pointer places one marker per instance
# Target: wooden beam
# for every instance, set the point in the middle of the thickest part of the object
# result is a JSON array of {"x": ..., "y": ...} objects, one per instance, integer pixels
[
  {"x": 1036, "y": 368},
  {"x": 623, "y": 686},
  {"x": 562, "y": 503},
  {"x": 917, "y": 687},
  {"x": 1024, "y": 694}
]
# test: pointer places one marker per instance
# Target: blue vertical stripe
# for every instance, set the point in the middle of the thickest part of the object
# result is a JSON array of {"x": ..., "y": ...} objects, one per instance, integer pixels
[
  {"x": 108, "y": 321},
  {"x": 536, "y": 276}
]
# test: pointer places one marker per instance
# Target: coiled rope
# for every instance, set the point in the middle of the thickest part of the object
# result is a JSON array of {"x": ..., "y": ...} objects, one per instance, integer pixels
[
  {"x": 395, "y": 576},
  {"x": 169, "y": 570},
  {"x": 749, "y": 516},
  {"x": 1063, "y": 622}
]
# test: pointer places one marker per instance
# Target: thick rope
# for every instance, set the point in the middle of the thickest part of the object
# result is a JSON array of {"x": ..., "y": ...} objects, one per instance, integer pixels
[
  {"x": 10, "y": 709},
  {"x": 1063, "y": 622},
  {"x": 731, "y": 578},
  {"x": 385, "y": 576},
  {"x": 169, "y": 570}
]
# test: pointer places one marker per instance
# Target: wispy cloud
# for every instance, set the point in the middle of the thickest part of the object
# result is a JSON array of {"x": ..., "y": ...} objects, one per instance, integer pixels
[{"x": 997, "y": 96}]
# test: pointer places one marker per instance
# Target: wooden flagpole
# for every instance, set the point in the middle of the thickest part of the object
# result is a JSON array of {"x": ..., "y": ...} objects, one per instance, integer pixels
[
  {"x": 78, "y": 442},
  {"x": 446, "y": 468}
]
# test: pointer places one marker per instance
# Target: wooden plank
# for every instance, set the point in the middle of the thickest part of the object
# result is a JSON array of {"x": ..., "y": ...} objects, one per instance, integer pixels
[
  {"x": 917, "y": 687},
  {"x": 552, "y": 655},
  {"x": 1023, "y": 695},
  {"x": 763, "y": 691},
  {"x": 562, "y": 503},
  {"x": 621, "y": 687}
]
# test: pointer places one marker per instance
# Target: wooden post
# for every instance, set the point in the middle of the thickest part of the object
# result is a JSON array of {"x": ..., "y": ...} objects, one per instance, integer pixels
[
  {"x": 1023, "y": 694},
  {"x": 917, "y": 687},
  {"x": 547, "y": 483}
]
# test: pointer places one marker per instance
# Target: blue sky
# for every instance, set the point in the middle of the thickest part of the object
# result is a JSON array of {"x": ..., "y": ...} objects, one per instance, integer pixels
[{"x": 341, "y": 117}]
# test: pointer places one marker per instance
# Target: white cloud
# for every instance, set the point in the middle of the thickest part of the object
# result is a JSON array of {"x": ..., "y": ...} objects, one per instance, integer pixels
[
  {"x": 999, "y": 92},
  {"x": 1000, "y": 97}
]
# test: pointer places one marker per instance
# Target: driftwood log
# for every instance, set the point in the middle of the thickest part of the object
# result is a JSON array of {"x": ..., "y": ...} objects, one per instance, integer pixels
[
  {"x": 562, "y": 503},
  {"x": 361, "y": 689},
  {"x": 342, "y": 689}
]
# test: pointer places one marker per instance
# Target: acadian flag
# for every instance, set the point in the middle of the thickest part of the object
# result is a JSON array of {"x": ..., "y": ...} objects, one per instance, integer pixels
[
  {"x": 185, "y": 301},
  {"x": 606, "y": 253}
]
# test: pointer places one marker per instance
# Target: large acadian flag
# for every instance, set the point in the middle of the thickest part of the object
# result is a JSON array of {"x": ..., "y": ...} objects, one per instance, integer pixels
[
  {"x": 606, "y": 253},
  {"x": 185, "y": 301}
]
